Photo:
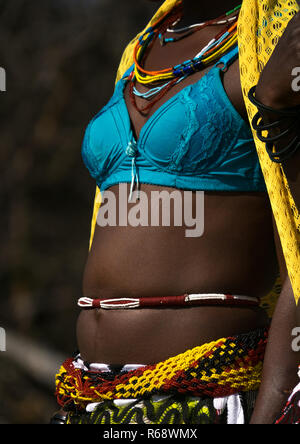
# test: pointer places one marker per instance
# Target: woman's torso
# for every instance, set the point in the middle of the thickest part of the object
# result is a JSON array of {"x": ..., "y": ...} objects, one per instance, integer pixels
[{"x": 235, "y": 254}]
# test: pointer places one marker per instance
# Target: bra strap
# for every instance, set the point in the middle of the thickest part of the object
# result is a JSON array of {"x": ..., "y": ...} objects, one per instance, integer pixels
[{"x": 228, "y": 58}]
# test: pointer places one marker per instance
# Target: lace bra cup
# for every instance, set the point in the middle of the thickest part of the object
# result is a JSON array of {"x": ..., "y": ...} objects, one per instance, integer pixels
[{"x": 194, "y": 141}]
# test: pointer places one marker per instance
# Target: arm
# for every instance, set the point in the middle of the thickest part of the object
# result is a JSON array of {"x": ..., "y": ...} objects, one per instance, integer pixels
[
  {"x": 276, "y": 89},
  {"x": 281, "y": 362}
]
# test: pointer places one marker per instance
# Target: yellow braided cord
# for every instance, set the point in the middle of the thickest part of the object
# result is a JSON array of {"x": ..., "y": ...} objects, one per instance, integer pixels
[{"x": 260, "y": 26}]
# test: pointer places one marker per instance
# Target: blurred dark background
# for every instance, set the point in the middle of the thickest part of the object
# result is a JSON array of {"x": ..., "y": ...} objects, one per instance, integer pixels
[{"x": 60, "y": 58}]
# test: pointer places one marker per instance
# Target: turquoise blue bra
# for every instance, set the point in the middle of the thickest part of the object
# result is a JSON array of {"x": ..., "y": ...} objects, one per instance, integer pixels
[{"x": 194, "y": 141}]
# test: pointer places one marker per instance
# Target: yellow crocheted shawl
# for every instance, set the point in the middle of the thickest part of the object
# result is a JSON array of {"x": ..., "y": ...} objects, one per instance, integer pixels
[{"x": 261, "y": 24}]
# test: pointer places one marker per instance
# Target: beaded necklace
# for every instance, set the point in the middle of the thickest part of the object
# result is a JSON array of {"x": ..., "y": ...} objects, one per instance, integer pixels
[
  {"x": 188, "y": 30},
  {"x": 218, "y": 46}
]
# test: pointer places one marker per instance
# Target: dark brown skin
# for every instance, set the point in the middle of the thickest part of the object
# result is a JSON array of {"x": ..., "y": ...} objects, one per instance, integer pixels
[
  {"x": 155, "y": 261},
  {"x": 236, "y": 253}
]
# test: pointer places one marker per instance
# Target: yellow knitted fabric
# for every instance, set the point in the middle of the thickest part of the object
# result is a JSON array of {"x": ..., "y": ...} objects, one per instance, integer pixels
[
  {"x": 260, "y": 27},
  {"x": 261, "y": 24}
]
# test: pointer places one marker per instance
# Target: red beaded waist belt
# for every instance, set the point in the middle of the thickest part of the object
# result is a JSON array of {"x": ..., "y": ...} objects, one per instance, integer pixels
[{"x": 186, "y": 300}]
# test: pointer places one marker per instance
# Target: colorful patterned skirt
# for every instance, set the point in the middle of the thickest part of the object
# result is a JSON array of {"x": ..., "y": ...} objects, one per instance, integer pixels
[{"x": 215, "y": 383}]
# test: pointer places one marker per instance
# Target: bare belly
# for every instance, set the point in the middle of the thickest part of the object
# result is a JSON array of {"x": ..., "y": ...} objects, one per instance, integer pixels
[{"x": 235, "y": 254}]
